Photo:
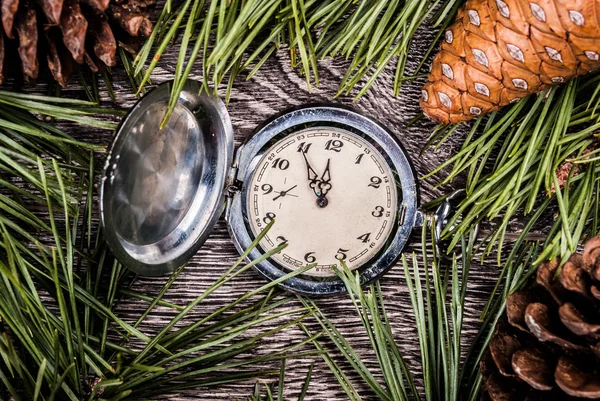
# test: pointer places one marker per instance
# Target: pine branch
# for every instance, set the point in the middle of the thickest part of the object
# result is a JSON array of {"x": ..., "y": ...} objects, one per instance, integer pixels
[
  {"x": 59, "y": 287},
  {"x": 230, "y": 37},
  {"x": 199, "y": 354},
  {"x": 437, "y": 292},
  {"x": 536, "y": 157}
]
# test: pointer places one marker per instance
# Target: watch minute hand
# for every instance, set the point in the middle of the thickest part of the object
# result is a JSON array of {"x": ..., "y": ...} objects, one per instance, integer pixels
[
  {"x": 324, "y": 185},
  {"x": 326, "y": 174}
]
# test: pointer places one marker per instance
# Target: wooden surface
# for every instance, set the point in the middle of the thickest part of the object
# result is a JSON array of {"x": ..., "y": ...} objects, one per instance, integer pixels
[{"x": 277, "y": 87}]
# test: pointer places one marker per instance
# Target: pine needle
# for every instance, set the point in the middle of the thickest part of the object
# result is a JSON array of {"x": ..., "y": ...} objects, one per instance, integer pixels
[
  {"x": 437, "y": 291},
  {"x": 59, "y": 287},
  {"x": 512, "y": 164},
  {"x": 232, "y": 37}
]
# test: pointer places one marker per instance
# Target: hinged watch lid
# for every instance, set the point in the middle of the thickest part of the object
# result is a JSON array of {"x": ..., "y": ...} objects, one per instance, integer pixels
[{"x": 163, "y": 189}]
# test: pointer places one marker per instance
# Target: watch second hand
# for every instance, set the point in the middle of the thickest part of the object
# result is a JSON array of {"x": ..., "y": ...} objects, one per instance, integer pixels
[{"x": 284, "y": 193}]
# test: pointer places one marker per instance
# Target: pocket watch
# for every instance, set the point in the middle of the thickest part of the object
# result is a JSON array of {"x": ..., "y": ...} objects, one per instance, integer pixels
[{"x": 337, "y": 184}]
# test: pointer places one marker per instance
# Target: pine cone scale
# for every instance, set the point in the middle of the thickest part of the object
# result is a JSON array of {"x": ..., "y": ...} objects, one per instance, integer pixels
[
  {"x": 91, "y": 62},
  {"x": 596, "y": 349},
  {"x": 62, "y": 32},
  {"x": 545, "y": 327},
  {"x": 510, "y": 14},
  {"x": 536, "y": 44},
  {"x": 576, "y": 323},
  {"x": 480, "y": 19},
  {"x": 579, "y": 18},
  {"x": 551, "y": 335},
  {"x": 9, "y": 10},
  {"x": 499, "y": 387},
  {"x": 545, "y": 277},
  {"x": 573, "y": 278},
  {"x": 74, "y": 28},
  {"x": 98, "y": 6},
  {"x": 482, "y": 86},
  {"x": 52, "y": 9},
  {"x": 575, "y": 381},
  {"x": 502, "y": 348},
  {"x": 130, "y": 21},
  {"x": 59, "y": 60},
  {"x": 26, "y": 27},
  {"x": 543, "y": 16},
  {"x": 518, "y": 79},
  {"x": 105, "y": 46},
  {"x": 489, "y": 62},
  {"x": 516, "y": 304},
  {"x": 454, "y": 40},
  {"x": 591, "y": 255},
  {"x": 534, "y": 368}
]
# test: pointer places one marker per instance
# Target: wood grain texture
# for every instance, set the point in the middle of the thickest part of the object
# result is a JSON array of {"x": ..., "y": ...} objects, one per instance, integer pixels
[{"x": 275, "y": 88}]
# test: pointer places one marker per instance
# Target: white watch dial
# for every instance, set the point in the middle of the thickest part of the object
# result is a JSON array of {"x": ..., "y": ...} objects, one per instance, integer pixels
[{"x": 332, "y": 194}]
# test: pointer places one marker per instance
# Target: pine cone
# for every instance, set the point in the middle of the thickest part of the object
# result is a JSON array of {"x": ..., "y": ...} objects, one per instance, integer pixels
[
  {"x": 499, "y": 51},
  {"x": 67, "y": 31},
  {"x": 548, "y": 346}
]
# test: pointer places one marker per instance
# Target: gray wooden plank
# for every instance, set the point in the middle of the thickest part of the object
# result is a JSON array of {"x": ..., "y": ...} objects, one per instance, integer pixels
[{"x": 276, "y": 87}]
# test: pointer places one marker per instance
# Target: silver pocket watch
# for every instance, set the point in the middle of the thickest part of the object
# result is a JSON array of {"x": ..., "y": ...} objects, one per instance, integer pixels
[{"x": 338, "y": 185}]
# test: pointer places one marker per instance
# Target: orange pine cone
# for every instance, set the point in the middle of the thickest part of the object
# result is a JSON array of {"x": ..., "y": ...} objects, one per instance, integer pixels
[{"x": 499, "y": 51}]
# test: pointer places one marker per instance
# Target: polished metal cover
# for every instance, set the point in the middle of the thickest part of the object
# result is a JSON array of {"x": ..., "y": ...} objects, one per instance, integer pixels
[{"x": 163, "y": 189}]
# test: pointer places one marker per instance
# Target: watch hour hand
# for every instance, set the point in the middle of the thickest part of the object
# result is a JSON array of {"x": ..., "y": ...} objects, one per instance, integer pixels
[{"x": 312, "y": 176}]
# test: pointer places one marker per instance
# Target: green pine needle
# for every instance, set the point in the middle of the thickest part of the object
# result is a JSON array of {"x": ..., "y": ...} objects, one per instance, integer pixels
[
  {"x": 59, "y": 287},
  {"x": 518, "y": 165},
  {"x": 437, "y": 291},
  {"x": 231, "y": 37}
]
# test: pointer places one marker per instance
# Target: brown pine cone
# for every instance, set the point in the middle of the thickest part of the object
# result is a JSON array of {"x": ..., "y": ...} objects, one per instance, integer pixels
[
  {"x": 499, "y": 51},
  {"x": 62, "y": 32},
  {"x": 548, "y": 346}
]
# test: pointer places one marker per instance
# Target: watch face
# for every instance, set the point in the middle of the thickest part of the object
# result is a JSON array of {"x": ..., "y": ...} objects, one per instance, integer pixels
[{"x": 332, "y": 195}]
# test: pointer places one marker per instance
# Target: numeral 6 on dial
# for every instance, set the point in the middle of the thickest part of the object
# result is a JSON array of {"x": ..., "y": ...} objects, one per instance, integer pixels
[{"x": 310, "y": 258}]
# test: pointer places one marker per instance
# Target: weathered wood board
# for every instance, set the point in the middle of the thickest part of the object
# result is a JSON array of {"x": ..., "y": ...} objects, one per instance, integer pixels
[{"x": 277, "y": 87}]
